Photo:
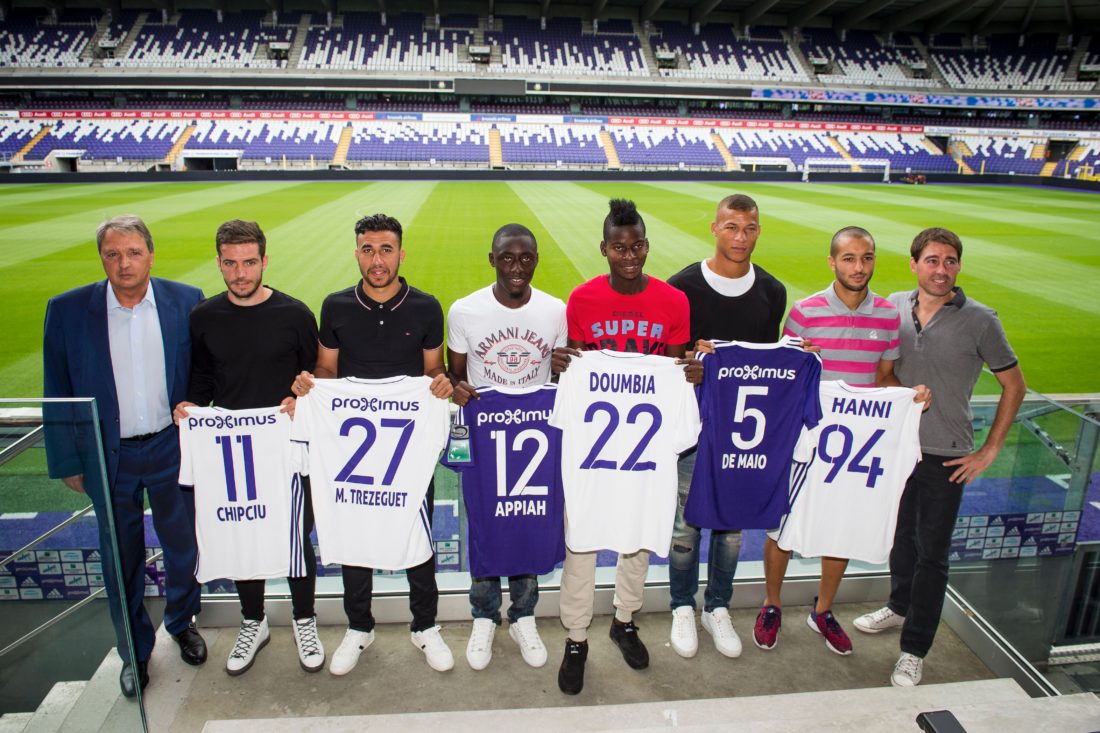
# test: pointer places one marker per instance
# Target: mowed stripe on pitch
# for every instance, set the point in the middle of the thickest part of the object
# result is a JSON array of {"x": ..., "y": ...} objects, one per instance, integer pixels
[{"x": 32, "y": 240}]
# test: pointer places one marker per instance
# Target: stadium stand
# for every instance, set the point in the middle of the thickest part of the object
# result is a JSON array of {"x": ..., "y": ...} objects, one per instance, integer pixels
[
  {"x": 197, "y": 38},
  {"x": 262, "y": 139},
  {"x": 1038, "y": 66},
  {"x": 419, "y": 142},
  {"x": 717, "y": 54},
  {"x": 364, "y": 43},
  {"x": 861, "y": 59},
  {"x": 562, "y": 48},
  {"x": 666, "y": 146},
  {"x": 28, "y": 41},
  {"x": 1000, "y": 154},
  {"x": 551, "y": 144},
  {"x": 127, "y": 140}
]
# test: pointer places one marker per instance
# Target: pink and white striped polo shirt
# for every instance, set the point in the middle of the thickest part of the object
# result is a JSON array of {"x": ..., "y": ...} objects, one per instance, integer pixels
[{"x": 852, "y": 342}]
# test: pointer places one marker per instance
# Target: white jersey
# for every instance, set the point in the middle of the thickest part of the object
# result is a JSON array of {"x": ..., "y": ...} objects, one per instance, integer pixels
[
  {"x": 850, "y": 472},
  {"x": 506, "y": 347},
  {"x": 373, "y": 447},
  {"x": 248, "y": 496},
  {"x": 624, "y": 418}
]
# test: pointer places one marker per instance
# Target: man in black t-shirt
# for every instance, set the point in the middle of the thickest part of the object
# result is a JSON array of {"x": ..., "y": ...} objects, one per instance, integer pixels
[
  {"x": 247, "y": 345},
  {"x": 731, "y": 299},
  {"x": 383, "y": 328}
]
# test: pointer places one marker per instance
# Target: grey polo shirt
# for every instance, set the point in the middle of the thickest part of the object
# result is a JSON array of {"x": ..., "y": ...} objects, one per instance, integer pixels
[{"x": 946, "y": 355}]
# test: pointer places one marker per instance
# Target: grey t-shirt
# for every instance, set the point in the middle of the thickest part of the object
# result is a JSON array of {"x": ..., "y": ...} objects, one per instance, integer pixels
[{"x": 946, "y": 355}]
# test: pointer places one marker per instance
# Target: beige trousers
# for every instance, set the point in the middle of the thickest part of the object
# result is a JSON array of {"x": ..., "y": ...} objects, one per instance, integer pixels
[{"x": 578, "y": 586}]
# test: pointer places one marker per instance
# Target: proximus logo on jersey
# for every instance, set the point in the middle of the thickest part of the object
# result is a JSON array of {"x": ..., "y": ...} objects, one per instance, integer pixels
[
  {"x": 374, "y": 404},
  {"x": 228, "y": 422},
  {"x": 512, "y": 417},
  {"x": 756, "y": 372}
]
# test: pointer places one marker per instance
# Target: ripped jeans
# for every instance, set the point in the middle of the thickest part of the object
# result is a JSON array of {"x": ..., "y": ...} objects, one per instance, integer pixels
[{"x": 683, "y": 562}]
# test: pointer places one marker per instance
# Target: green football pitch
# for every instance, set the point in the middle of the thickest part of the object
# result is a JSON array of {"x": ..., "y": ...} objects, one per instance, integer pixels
[{"x": 1033, "y": 254}]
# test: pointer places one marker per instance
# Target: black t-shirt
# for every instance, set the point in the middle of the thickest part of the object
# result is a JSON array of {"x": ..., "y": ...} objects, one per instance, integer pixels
[
  {"x": 754, "y": 316},
  {"x": 379, "y": 340},
  {"x": 244, "y": 357}
]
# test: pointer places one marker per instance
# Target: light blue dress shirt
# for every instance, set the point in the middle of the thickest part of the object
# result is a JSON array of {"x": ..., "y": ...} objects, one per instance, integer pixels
[{"x": 137, "y": 357}]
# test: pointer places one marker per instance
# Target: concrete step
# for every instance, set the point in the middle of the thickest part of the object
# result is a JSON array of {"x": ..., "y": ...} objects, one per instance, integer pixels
[
  {"x": 55, "y": 707},
  {"x": 14, "y": 722},
  {"x": 90, "y": 711},
  {"x": 801, "y": 712}
]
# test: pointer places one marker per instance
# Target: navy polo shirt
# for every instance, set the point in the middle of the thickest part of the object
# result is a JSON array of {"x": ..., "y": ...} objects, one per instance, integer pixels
[{"x": 380, "y": 340}]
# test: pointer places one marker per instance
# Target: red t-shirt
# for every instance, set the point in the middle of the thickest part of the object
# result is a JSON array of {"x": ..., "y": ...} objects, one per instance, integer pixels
[{"x": 645, "y": 323}]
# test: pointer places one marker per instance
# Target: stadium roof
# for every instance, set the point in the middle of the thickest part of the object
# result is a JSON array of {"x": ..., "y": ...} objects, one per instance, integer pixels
[{"x": 968, "y": 17}]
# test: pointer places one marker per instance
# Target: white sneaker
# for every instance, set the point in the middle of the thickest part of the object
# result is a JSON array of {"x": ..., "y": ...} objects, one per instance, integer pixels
[
  {"x": 435, "y": 649},
  {"x": 311, "y": 653},
  {"x": 252, "y": 637},
  {"x": 479, "y": 650},
  {"x": 684, "y": 637},
  {"x": 347, "y": 654},
  {"x": 880, "y": 620},
  {"x": 907, "y": 671},
  {"x": 526, "y": 634},
  {"x": 719, "y": 625}
]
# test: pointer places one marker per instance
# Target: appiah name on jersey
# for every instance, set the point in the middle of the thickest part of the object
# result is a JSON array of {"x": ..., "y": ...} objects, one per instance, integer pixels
[
  {"x": 755, "y": 400},
  {"x": 373, "y": 445},
  {"x": 509, "y": 459},
  {"x": 248, "y": 496}
]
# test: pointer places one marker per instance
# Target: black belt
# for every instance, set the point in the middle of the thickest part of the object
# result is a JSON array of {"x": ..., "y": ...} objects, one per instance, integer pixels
[{"x": 144, "y": 437}]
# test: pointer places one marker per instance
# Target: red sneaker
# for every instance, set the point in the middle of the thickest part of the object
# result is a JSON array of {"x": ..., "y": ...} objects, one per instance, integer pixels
[{"x": 766, "y": 632}]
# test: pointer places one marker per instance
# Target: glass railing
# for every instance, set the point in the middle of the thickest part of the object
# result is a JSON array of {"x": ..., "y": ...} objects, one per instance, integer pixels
[{"x": 57, "y": 638}]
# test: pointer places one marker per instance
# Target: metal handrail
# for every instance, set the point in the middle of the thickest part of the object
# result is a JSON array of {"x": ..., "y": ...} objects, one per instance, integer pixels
[
  {"x": 21, "y": 445},
  {"x": 45, "y": 536}
]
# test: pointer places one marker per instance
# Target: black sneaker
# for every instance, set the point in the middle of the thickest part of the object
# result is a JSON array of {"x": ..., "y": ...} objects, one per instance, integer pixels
[
  {"x": 571, "y": 672},
  {"x": 626, "y": 638}
]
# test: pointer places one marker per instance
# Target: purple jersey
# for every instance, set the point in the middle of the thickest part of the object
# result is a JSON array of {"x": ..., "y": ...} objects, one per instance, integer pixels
[
  {"x": 509, "y": 459},
  {"x": 754, "y": 401}
]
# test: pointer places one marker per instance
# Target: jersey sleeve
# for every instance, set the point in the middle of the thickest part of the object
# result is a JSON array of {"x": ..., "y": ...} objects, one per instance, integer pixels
[
  {"x": 562, "y": 335},
  {"x": 688, "y": 424},
  {"x": 573, "y": 316},
  {"x": 994, "y": 348},
  {"x": 307, "y": 343},
  {"x": 893, "y": 344},
  {"x": 187, "y": 470},
  {"x": 811, "y": 405},
  {"x": 779, "y": 306},
  {"x": 301, "y": 427}
]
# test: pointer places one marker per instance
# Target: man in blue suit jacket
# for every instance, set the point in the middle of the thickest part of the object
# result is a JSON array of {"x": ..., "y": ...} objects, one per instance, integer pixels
[{"x": 126, "y": 342}]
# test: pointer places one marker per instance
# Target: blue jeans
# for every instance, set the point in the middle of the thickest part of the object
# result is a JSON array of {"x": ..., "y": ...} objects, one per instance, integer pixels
[
  {"x": 683, "y": 562},
  {"x": 485, "y": 597},
  {"x": 919, "y": 557}
]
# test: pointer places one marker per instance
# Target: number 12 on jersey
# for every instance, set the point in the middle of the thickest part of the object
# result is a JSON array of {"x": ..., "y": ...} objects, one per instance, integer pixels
[{"x": 500, "y": 443}]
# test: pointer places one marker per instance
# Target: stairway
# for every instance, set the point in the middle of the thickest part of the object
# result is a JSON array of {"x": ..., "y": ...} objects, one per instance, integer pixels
[
  {"x": 648, "y": 56},
  {"x": 18, "y": 157},
  {"x": 839, "y": 147},
  {"x": 1075, "y": 60},
  {"x": 959, "y": 152},
  {"x": 803, "y": 62},
  {"x": 496, "y": 152},
  {"x": 88, "y": 53},
  {"x": 724, "y": 151},
  {"x": 1079, "y": 151},
  {"x": 178, "y": 146},
  {"x": 1038, "y": 152},
  {"x": 340, "y": 157},
  {"x": 931, "y": 147},
  {"x": 609, "y": 150},
  {"x": 294, "y": 55},
  {"x": 1048, "y": 169},
  {"x": 128, "y": 42},
  {"x": 934, "y": 72}
]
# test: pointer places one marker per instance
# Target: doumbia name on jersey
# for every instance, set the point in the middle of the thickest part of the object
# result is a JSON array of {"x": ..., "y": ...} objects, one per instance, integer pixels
[
  {"x": 629, "y": 383},
  {"x": 373, "y": 404}
]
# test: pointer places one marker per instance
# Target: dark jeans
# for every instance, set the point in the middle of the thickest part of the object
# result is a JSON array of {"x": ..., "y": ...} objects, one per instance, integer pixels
[
  {"x": 303, "y": 590},
  {"x": 683, "y": 563},
  {"x": 919, "y": 557},
  {"x": 423, "y": 593},
  {"x": 485, "y": 597}
]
